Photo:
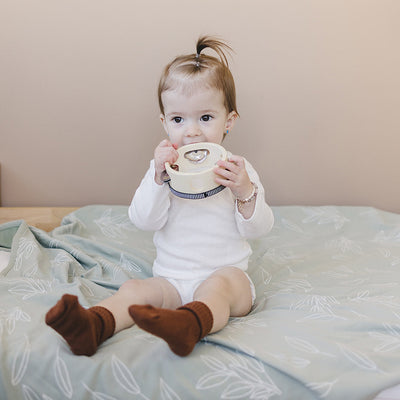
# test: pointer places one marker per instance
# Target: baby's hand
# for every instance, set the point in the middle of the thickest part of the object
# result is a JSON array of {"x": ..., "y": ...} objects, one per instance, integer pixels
[
  {"x": 232, "y": 174},
  {"x": 164, "y": 152}
]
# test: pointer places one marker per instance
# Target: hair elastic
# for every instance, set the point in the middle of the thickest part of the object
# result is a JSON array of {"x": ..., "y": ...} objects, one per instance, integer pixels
[{"x": 197, "y": 60}]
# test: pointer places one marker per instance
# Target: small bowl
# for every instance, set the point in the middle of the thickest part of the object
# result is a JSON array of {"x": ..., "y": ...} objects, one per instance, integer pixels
[{"x": 192, "y": 172}]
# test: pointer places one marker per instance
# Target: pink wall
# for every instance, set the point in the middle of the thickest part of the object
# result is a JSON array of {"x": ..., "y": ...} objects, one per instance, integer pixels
[{"x": 318, "y": 92}]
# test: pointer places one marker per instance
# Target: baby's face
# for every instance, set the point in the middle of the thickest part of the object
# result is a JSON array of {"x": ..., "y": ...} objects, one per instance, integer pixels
[{"x": 198, "y": 116}]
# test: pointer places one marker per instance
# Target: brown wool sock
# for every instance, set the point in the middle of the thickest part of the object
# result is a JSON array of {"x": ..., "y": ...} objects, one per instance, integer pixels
[
  {"x": 83, "y": 329},
  {"x": 181, "y": 328}
]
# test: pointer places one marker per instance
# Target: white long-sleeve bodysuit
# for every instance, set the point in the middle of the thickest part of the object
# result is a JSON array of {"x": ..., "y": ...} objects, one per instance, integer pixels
[{"x": 194, "y": 238}]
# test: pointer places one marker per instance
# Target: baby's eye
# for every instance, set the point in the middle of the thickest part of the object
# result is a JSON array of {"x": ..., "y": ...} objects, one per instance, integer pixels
[
  {"x": 177, "y": 120},
  {"x": 206, "y": 118}
]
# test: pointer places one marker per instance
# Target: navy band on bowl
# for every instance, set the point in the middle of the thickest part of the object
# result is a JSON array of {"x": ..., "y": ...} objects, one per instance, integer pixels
[{"x": 196, "y": 196}]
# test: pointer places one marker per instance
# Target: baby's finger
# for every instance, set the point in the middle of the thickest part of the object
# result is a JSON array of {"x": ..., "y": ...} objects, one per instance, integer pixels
[
  {"x": 165, "y": 143},
  {"x": 229, "y": 165},
  {"x": 225, "y": 173},
  {"x": 237, "y": 160}
]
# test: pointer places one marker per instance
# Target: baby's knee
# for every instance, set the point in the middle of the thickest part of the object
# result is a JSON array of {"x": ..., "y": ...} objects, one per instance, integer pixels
[
  {"x": 131, "y": 286},
  {"x": 238, "y": 289}
]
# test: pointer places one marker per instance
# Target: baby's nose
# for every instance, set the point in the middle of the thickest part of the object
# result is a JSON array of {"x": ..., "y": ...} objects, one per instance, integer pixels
[{"x": 193, "y": 130}]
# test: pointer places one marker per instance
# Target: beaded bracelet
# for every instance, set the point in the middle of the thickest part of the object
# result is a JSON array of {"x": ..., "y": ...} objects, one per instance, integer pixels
[{"x": 240, "y": 203}]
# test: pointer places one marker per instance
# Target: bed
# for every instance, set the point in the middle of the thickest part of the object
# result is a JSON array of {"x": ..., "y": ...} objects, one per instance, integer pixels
[{"x": 325, "y": 325}]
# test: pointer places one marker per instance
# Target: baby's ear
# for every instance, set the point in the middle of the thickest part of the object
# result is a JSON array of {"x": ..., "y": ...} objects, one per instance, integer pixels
[
  {"x": 163, "y": 122},
  {"x": 231, "y": 119}
]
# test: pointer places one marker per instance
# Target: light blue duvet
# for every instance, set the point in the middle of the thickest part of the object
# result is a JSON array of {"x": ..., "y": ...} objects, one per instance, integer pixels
[{"x": 326, "y": 323}]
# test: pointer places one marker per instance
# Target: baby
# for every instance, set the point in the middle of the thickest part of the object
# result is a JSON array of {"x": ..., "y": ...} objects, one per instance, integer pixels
[{"x": 199, "y": 277}]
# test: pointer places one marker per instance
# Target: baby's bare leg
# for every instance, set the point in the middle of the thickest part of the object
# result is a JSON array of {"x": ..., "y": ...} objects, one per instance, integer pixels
[
  {"x": 227, "y": 293},
  {"x": 157, "y": 292}
]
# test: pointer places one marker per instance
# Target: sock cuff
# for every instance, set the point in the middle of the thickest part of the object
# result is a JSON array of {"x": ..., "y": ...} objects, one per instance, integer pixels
[
  {"x": 203, "y": 315},
  {"x": 108, "y": 321}
]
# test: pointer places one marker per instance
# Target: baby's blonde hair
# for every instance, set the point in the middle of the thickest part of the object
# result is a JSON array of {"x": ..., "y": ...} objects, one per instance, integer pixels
[{"x": 189, "y": 71}]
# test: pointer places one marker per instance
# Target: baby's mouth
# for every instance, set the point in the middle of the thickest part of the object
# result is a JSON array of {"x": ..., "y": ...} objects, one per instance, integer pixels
[{"x": 192, "y": 141}]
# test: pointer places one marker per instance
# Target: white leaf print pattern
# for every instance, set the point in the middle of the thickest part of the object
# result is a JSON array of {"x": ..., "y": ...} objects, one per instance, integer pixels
[
  {"x": 20, "y": 362},
  {"x": 388, "y": 238},
  {"x": 31, "y": 287},
  {"x": 213, "y": 363},
  {"x": 98, "y": 395},
  {"x": 319, "y": 306},
  {"x": 322, "y": 388},
  {"x": 292, "y": 226},
  {"x": 25, "y": 251},
  {"x": 316, "y": 303},
  {"x": 365, "y": 297},
  {"x": 11, "y": 318},
  {"x": 128, "y": 265},
  {"x": 281, "y": 256},
  {"x": 123, "y": 376},
  {"x": 213, "y": 379},
  {"x": 390, "y": 341},
  {"x": 238, "y": 390},
  {"x": 294, "y": 285},
  {"x": 108, "y": 266},
  {"x": 321, "y": 317},
  {"x": 86, "y": 289},
  {"x": 27, "y": 246},
  {"x": 29, "y": 393},
  {"x": 345, "y": 245},
  {"x": 249, "y": 321},
  {"x": 60, "y": 260},
  {"x": 61, "y": 374},
  {"x": 32, "y": 270},
  {"x": 249, "y": 379},
  {"x": 324, "y": 215},
  {"x": 357, "y": 358},
  {"x": 384, "y": 252},
  {"x": 113, "y": 226},
  {"x": 266, "y": 276},
  {"x": 18, "y": 263},
  {"x": 296, "y": 362},
  {"x": 166, "y": 392},
  {"x": 304, "y": 346}
]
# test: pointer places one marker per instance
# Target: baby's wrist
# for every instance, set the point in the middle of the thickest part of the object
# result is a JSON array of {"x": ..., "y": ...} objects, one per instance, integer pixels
[
  {"x": 251, "y": 194},
  {"x": 158, "y": 178},
  {"x": 241, "y": 202},
  {"x": 246, "y": 206}
]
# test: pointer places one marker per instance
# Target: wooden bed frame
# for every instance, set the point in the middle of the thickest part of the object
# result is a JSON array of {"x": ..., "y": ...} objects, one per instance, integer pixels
[{"x": 46, "y": 218}]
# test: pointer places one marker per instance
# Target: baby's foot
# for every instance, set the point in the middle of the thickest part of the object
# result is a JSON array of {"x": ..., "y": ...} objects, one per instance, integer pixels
[
  {"x": 181, "y": 328},
  {"x": 83, "y": 329}
]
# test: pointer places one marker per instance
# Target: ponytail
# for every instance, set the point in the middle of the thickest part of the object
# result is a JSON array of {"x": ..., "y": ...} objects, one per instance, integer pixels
[{"x": 214, "y": 44}]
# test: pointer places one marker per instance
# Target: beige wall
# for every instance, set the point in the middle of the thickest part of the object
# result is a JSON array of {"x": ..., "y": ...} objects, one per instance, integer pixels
[{"x": 318, "y": 87}]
